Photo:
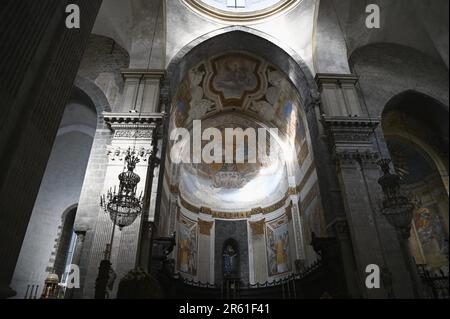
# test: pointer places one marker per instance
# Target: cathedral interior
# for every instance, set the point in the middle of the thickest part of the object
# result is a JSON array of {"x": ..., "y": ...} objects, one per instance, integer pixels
[{"x": 103, "y": 196}]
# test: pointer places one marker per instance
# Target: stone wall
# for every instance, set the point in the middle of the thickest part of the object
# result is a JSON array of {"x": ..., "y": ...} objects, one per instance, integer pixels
[{"x": 39, "y": 58}]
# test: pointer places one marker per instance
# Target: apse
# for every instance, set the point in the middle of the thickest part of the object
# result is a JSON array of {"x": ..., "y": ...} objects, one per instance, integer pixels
[{"x": 267, "y": 206}]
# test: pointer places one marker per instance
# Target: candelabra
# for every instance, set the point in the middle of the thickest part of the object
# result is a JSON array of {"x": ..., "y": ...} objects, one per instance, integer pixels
[
  {"x": 123, "y": 208},
  {"x": 399, "y": 209}
]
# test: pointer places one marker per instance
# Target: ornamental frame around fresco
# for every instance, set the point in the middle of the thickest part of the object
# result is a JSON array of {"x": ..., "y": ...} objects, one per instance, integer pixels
[
  {"x": 187, "y": 243},
  {"x": 278, "y": 247}
]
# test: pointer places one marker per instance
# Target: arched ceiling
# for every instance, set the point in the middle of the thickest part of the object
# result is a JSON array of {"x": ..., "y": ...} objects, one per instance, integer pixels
[
  {"x": 137, "y": 26},
  {"x": 115, "y": 21},
  {"x": 234, "y": 186},
  {"x": 419, "y": 24},
  {"x": 236, "y": 90}
]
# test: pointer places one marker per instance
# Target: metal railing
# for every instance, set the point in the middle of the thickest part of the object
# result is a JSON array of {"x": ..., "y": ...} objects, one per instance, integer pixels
[{"x": 436, "y": 281}]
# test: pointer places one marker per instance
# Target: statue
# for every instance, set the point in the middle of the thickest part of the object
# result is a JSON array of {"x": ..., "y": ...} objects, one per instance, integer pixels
[{"x": 230, "y": 261}]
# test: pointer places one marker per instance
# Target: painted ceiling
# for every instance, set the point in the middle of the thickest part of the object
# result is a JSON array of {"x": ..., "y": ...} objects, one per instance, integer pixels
[{"x": 238, "y": 90}]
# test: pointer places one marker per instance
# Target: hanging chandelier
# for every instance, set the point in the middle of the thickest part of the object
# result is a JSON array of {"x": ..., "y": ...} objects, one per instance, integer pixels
[
  {"x": 397, "y": 207},
  {"x": 123, "y": 206}
]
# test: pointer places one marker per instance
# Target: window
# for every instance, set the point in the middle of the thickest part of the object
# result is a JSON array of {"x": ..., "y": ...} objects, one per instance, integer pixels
[
  {"x": 236, "y": 3},
  {"x": 241, "y": 10}
]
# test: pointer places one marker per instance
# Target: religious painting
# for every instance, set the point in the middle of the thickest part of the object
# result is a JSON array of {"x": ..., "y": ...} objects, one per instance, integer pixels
[
  {"x": 187, "y": 246},
  {"x": 278, "y": 250},
  {"x": 235, "y": 76},
  {"x": 432, "y": 235},
  {"x": 200, "y": 105},
  {"x": 180, "y": 113}
]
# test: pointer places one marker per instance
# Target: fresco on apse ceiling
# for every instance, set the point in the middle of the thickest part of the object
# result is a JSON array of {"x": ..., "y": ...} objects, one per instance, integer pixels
[
  {"x": 180, "y": 113},
  {"x": 234, "y": 186},
  {"x": 243, "y": 83},
  {"x": 278, "y": 250},
  {"x": 234, "y": 77},
  {"x": 432, "y": 236},
  {"x": 235, "y": 80},
  {"x": 187, "y": 246}
]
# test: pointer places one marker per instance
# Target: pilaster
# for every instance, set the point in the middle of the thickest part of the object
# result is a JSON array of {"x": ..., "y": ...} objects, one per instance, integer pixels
[
  {"x": 135, "y": 127},
  {"x": 352, "y": 143}
]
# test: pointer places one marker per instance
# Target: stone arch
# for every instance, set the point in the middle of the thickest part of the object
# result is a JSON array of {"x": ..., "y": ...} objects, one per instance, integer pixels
[
  {"x": 92, "y": 94},
  {"x": 246, "y": 39},
  {"x": 415, "y": 128},
  {"x": 263, "y": 45},
  {"x": 432, "y": 116},
  {"x": 404, "y": 68},
  {"x": 300, "y": 79}
]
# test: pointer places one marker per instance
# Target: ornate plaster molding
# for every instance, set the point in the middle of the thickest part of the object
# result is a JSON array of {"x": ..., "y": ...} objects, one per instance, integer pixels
[{"x": 352, "y": 137}]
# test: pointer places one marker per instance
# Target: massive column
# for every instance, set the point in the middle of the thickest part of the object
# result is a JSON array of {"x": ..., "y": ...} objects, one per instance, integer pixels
[
  {"x": 351, "y": 136},
  {"x": 134, "y": 125},
  {"x": 39, "y": 59}
]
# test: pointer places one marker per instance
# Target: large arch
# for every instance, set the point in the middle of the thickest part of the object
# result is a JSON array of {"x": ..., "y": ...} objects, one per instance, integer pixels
[
  {"x": 286, "y": 60},
  {"x": 432, "y": 116},
  {"x": 403, "y": 67},
  {"x": 249, "y": 41},
  {"x": 91, "y": 94},
  {"x": 415, "y": 128},
  {"x": 59, "y": 192}
]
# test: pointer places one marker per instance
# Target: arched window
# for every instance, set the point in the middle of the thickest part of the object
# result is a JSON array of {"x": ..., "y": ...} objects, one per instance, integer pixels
[{"x": 66, "y": 243}]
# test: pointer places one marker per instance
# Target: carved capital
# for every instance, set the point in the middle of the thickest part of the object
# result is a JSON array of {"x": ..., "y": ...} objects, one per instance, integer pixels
[
  {"x": 205, "y": 227},
  {"x": 206, "y": 210},
  {"x": 351, "y": 138},
  {"x": 350, "y": 157},
  {"x": 143, "y": 73},
  {"x": 258, "y": 227},
  {"x": 175, "y": 189},
  {"x": 341, "y": 228},
  {"x": 133, "y": 125},
  {"x": 118, "y": 153}
]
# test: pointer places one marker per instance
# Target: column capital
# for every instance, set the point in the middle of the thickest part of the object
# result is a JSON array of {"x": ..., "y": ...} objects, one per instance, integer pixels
[
  {"x": 340, "y": 227},
  {"x": 352, "y": 137},
  {"x": 132, "y": 121},
  {"x": 146, "y": 73},
  {"x": 333, "y": 78}
]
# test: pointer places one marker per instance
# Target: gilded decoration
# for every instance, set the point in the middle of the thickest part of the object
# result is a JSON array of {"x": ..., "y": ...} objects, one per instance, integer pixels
[
  {"x": 257, "y": 227},
  {"x": 205, "y": 227}
]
